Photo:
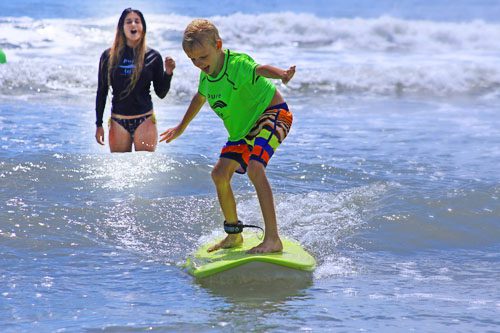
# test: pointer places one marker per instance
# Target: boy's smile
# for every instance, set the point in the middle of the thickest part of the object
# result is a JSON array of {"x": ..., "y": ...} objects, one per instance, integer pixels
[{"x": 208, "y": 58}]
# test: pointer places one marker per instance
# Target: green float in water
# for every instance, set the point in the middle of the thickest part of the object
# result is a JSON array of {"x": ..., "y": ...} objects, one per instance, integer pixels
[
  {"x": 203, "y": 264},
  {"x": 3, "y": 57}
]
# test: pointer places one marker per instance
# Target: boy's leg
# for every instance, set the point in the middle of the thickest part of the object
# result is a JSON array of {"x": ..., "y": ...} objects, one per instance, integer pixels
[
  {"x": 270, "y": 130},
  {"x": 221, "y": 175},
  {"x": 272, "y": 242}
]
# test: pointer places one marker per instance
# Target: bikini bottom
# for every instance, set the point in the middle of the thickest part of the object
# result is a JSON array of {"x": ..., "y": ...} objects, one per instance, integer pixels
[{"x": 131, "y": 125}]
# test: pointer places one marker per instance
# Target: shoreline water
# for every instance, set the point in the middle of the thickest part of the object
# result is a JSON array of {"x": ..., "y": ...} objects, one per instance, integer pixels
[{"x": 389, "y": 176}]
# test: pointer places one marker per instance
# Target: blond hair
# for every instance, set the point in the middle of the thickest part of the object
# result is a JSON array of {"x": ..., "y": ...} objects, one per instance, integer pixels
[{"x": 198, "y": 33}]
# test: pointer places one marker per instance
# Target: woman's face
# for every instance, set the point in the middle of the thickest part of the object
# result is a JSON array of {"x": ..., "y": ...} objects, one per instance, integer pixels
[{"x": 133, "y": 29}]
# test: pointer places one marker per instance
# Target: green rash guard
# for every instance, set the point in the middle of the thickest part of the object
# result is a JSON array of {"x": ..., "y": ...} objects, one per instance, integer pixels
[{"x": 237, "y": 95}]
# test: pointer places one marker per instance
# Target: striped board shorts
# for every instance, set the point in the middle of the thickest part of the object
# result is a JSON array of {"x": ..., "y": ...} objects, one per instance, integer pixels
[{"x": 261, "y": 142}]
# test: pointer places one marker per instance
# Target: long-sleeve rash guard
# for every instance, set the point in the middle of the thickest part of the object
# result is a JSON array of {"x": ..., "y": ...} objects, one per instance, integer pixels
[{"x": 138, "y": 101}]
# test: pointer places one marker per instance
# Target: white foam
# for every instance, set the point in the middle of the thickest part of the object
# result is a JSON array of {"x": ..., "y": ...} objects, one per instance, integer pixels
[
  {"x": 381, "y": 56},
  {"x": 320, "y": 221}
]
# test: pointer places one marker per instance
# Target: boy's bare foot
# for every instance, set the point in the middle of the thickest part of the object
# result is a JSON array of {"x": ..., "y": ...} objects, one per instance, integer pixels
[
  {"x": 233, "y": 240},
  {"x": 268, "y": 246}
]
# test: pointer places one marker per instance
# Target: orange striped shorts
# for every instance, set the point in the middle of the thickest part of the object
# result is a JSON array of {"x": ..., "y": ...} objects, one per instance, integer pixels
[{"x": 264, "y": 138}]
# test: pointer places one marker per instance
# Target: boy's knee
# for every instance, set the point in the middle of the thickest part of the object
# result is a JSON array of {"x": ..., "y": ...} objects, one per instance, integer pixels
[
  {"x": 219, "y": 176},
  {"x": 255, "y": 170}
]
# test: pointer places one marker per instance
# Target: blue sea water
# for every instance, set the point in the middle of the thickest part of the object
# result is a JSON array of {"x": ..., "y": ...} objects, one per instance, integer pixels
[{"x": 390, "y": 176}]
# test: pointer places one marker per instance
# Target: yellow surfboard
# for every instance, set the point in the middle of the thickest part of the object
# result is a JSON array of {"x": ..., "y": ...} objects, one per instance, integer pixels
[{"x": 204, "y": 264}]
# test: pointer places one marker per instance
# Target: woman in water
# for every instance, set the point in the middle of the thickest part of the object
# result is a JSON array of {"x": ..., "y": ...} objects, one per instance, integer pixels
[{"x": 129, "y": 67}]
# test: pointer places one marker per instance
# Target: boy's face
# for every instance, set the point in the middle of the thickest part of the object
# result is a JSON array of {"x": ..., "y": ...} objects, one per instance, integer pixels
[{"x": 207, "y": 57}]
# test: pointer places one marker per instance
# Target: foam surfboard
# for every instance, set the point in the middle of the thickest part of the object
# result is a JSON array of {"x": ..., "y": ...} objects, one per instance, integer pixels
[{"x": 204, "y": 264}]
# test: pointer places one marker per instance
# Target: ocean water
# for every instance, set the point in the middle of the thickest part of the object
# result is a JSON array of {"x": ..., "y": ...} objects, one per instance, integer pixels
[{"x": 390, "y": 176}]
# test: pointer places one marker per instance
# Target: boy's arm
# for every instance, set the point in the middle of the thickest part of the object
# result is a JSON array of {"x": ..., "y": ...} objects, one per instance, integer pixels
[
  {"x": 272, "y": 72},
  {"x": 193, "y": 109}
]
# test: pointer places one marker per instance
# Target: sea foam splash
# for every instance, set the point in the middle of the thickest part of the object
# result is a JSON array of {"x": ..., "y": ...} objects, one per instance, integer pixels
[{"x": 382, "y": 56}]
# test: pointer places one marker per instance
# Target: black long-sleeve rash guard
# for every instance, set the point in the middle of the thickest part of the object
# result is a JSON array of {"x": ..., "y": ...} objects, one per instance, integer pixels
[{"x": 138, "y": 101}]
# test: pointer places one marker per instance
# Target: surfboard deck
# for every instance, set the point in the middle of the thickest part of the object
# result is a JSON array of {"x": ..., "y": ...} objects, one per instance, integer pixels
[{"x": 204, "y": 264}]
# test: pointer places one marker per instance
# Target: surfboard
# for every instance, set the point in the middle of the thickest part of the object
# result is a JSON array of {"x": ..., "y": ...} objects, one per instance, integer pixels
[{"x": 204, "y": 264}]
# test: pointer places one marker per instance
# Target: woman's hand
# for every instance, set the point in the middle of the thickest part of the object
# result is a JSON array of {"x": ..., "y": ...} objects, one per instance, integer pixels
[
  {"x": 169, "y": 65},
  {"x": 99, "y": 135}
]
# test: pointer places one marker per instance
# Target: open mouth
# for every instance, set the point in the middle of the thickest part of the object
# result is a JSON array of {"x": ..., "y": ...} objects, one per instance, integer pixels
[{"x": 133, "y": 32}]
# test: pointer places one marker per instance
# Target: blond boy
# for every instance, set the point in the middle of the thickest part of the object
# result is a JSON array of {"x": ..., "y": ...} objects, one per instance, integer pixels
[{"x": 255, "y": 116}]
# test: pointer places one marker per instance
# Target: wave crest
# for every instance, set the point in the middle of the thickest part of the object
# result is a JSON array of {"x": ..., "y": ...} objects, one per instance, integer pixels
[{"x": 382, "y": 56}]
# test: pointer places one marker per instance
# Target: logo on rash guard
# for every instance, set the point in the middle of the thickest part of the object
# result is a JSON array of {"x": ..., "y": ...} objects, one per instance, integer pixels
[
  {"x": 217, "y": 107},
  {"x": 127, "y": 66},
  {"x": 219, "y": 104}
]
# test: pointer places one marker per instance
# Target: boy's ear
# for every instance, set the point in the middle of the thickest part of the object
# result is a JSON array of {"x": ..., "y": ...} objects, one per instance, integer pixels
[{"x": 218, "y": 44}]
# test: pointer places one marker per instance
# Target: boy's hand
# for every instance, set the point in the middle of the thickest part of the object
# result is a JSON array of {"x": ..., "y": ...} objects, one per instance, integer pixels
[
  {"x": 169, "y": 65},
  {"x": 170, "y": 134},
  {"x": 288, "y": 74}
]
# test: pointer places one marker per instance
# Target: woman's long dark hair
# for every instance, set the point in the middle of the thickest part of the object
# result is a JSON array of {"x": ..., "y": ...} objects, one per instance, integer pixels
[{"x": 118, "y": 48}]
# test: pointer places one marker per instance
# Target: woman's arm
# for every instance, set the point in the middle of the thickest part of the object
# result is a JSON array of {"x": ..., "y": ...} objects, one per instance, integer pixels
[
  {"x": 102, "y": 88},
  {"x": 162, "y": 78}
]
